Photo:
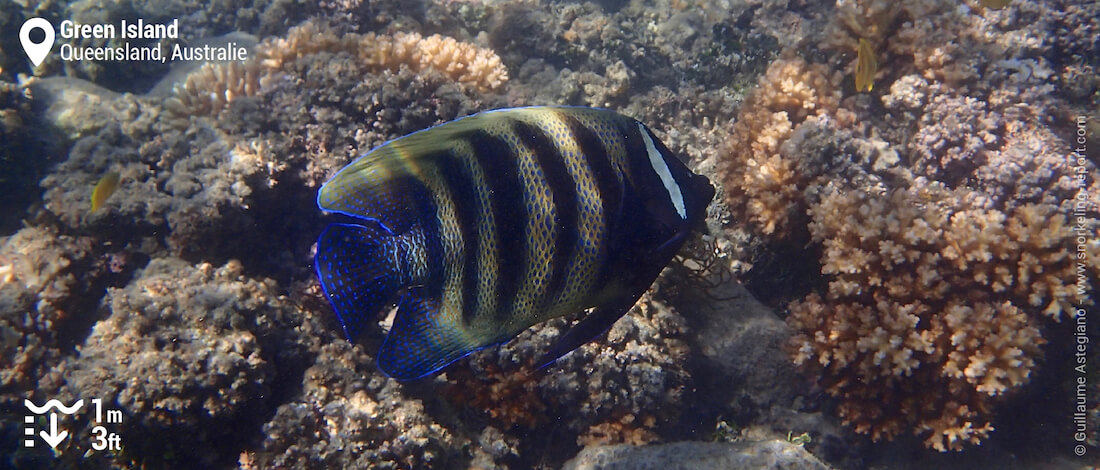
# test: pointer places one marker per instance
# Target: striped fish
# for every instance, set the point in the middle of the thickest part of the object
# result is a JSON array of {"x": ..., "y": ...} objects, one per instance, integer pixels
[{"x": 481, "y": 227}]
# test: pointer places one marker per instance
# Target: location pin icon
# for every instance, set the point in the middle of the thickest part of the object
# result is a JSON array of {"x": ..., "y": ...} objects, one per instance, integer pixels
[{"x": 36, "y": 52}]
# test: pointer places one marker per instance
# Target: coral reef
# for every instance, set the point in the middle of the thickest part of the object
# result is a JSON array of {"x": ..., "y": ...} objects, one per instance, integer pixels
[
  {"x": 700, "y": 455},
  {"x": 613, "y": 390},
  {"x": 762, "y": 186},
  {"x": 347, "y": 415},
  {"x": 920, "y": 229},
  {"x": 928, "y": 306},
  {"x": 46, "y": 284},
  {"x": 187, "y": 351},
  {"x": 940, "y": 228},
  {"x": 210, "y": 89},
  {"x": 465, "y": 63}
]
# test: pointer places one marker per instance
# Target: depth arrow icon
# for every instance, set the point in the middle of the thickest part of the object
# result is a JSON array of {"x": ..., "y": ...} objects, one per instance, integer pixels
[{"x": 53, "y": 438}]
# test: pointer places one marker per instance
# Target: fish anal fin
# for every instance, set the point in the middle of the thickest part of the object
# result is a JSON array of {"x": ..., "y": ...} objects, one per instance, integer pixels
[
  {"x": 423, "y": 339},
  {"x": 596, "y": 323}
]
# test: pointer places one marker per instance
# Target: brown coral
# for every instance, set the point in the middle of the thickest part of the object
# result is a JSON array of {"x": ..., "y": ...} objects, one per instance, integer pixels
[
  {"x": 628, "y": 429},
  {"x": 465, "y": 63},
  {"x": 932, "y": 309},
  {"x": 509, "y": 398},
  {"x": 209, "y": 90},
  {"x": 761, "y": 183}
]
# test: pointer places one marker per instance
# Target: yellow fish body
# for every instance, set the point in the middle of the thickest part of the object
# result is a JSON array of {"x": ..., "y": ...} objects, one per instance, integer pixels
[
  {"x": 866, "y": 66},
  {"x": 104, "y": 189}
]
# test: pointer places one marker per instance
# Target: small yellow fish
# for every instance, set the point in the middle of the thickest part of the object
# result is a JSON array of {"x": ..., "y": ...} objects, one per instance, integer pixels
[
  {"x": 866, "y": 66},
  {"x": 995, "y": 4},
  {"x": 104, "y": 189}
]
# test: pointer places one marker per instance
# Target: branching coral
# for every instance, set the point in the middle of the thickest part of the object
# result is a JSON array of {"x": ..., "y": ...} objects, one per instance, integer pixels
[
  {"x": 926, "y": 319},
  {"x": 465, "y": 63},
  {"x": 209, "y": 90},
  {"x": 760, "y": 182},
  {"x": 940, "y": 227}
]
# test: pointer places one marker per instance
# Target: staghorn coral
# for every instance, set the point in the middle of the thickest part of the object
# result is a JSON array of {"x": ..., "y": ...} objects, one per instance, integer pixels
[
  {"x": 478, "y": 68},
  {"x": 932, "y": 310},
  {"x": 762, "y": 186}
]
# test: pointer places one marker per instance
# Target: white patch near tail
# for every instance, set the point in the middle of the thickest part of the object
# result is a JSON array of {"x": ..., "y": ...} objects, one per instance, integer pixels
[{"x": 661, "y": 168}]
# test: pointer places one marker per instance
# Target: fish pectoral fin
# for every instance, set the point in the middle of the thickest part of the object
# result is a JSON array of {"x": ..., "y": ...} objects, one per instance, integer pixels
[
  {"x": 424, "y": 338},
  {"x": 590, "y": 327}
]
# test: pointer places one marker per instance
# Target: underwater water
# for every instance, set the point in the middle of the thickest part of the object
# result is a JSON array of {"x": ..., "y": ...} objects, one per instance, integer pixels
[{"x": 843, "y": 234}]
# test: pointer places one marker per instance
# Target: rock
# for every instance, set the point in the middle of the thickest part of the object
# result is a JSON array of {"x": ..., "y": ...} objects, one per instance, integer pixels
[{"x": 774, "y": 454}]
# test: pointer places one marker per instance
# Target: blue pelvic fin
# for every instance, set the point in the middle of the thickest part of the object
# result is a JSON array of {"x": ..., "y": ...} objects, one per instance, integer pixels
[
  {"x": 357, "y": 273},
  {"x": 423, "y": 339},
  {"x": 590, "y": 327}
]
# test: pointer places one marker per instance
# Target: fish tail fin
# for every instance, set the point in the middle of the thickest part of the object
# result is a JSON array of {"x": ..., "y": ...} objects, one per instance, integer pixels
[
  {"x": 424, "y": 339},
  {"x": 357, "y": 272}
]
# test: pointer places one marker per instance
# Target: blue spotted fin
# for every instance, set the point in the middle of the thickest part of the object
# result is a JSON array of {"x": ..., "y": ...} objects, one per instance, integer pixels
[
  {"x": 362, "y": 273},
  {"x": 356, "y": 272}
]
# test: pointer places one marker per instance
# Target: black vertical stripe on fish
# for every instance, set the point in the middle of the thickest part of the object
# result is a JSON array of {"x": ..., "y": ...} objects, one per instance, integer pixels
[
  {"x": 563, "y": 191},
  {"x": 501, "y": 170},
  {"x": 606, "y": 182},
  {"x": 462, "y": 186},
  {"x": 433, "y": 240}
]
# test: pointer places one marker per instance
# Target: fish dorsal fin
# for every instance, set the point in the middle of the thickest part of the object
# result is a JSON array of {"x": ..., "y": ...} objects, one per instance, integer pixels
[
  {"x": 424, "y": 338},
  {"x": 385, "y": 184}
]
